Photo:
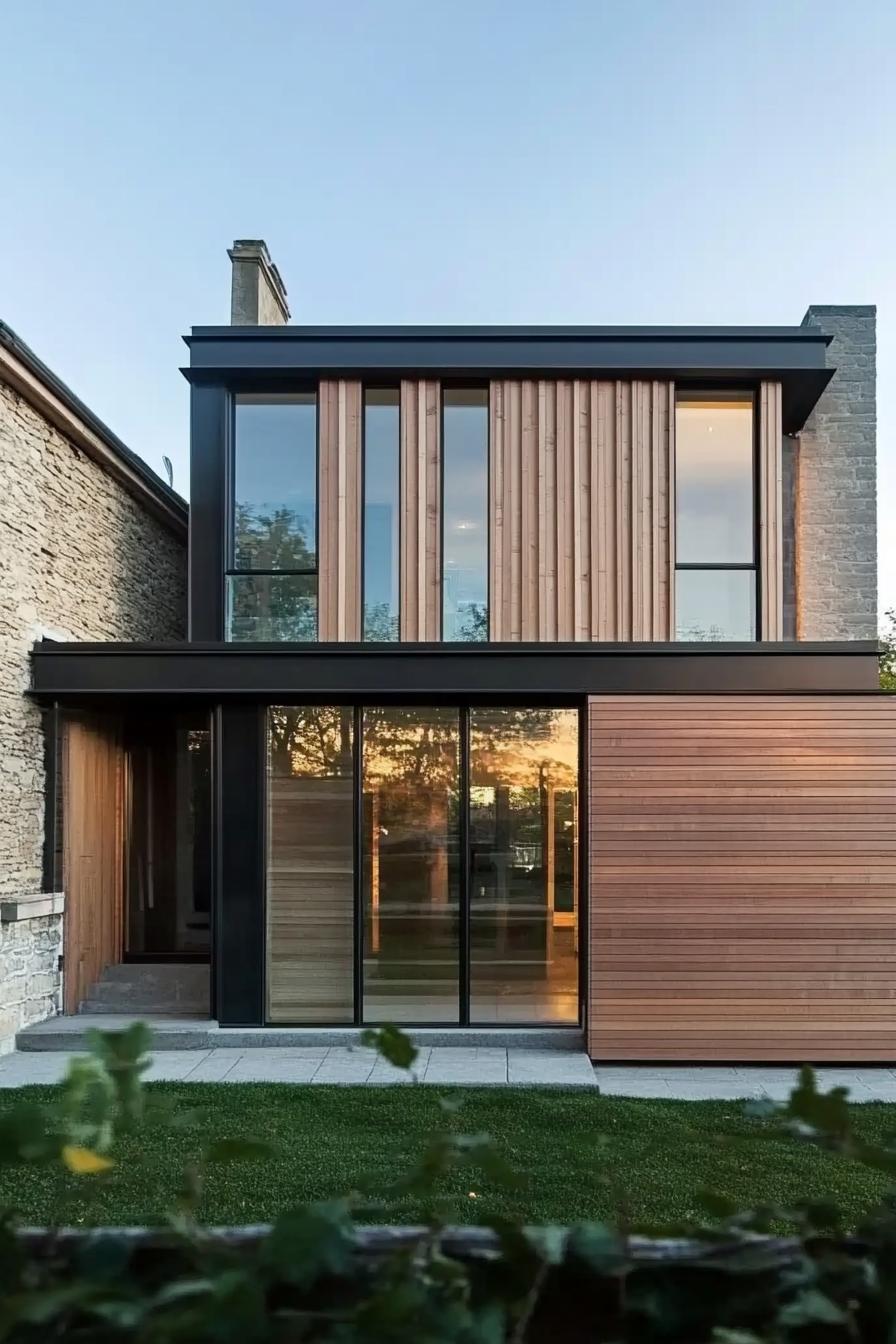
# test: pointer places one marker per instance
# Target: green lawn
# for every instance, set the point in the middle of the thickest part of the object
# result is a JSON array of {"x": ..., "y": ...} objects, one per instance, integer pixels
[{"x": 329, "y": 1140}]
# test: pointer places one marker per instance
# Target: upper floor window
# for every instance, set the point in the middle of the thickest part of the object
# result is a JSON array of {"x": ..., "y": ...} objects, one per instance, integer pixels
[
  {"x": 272, "y": 568},
  {"x": 715, "y": 517},
  {"x": 465, "y": 513},
  {"x": 381, "y": 484}
]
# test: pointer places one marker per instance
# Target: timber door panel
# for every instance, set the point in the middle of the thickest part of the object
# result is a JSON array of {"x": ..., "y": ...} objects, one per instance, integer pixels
[
  {"x": 92, "y": 852},
  {"x": 743, "y": 877}
]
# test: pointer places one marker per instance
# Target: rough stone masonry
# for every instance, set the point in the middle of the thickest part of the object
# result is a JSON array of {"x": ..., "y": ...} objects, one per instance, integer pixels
[
  {"x": 81, "y": 558},
  {"x": 835, "y": 486}
]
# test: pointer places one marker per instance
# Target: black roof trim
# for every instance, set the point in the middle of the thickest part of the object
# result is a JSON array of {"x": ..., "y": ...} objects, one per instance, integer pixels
[
  {"x": 396, "y": 673},
  {"x": 163, "y": 493},
  {"x": 795, "y": 356}
]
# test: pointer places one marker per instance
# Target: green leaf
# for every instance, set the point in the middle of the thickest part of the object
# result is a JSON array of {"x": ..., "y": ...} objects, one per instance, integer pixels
[
  {"x": 307, "y": 1243},
  {"x": 824, "y": 1111},
  {"x": 104, "y": 1257},
  {"x": 811, "y": 1308},
  {"x": 715, "y": 1204},
  {"x": 238, "y": 1150},
  {"x": 394, "y": 1046},
  {"x": 597, "y": 1246}
]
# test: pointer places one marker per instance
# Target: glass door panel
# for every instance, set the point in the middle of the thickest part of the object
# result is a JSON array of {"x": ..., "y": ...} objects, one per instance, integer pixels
[
  {"x": 310, "y": 879},
  {"x": 524, "y": 866},
  {"x": 410, "y": 864}
]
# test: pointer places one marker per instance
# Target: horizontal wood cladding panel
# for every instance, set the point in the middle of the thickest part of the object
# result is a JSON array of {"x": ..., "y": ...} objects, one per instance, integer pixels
[
  {"x": 580, "y": 509},
  {"x": 339, "y": 523},
  {"x": 742, "y": 877}
]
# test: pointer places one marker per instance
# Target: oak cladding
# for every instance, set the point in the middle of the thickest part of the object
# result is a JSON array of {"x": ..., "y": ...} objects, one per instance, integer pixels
[
  {"x": 581, "y": 545},
  {"x": 743, "y": 877},
  {"x": 339, "y": 607}
]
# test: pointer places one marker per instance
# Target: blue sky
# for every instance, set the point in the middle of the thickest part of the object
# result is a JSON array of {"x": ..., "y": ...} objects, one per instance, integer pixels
[{"x": 642, "y": 161}]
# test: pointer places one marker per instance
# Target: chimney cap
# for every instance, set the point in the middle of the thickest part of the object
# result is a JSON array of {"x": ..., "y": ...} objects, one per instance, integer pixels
[{"x": 256, "y": 250}]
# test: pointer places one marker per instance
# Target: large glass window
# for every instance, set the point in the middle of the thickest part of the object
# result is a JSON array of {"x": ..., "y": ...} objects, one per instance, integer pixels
[
  {"x": 310, "y": 884},
  {"x": 381, "y": 480},
  {"x": 524, "y": 865},
  {"x": 715, "y": 590},
  {"x": 465, "y": 514},
  {"x": 272, "y": 577},
  {"x": 411, "y": 765}
]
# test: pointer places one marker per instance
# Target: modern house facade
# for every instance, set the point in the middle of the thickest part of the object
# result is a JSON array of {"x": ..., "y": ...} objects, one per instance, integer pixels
[
  {"x": 93, "y": 546},
  {"x": 530, "y": 681}
]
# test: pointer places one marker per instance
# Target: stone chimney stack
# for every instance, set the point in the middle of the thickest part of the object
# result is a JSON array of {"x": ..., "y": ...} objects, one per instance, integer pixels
[{"x": 257, "y": 293}]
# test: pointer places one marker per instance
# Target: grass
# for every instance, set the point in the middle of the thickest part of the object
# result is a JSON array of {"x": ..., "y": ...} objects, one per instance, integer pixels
[{"x": 329, "y": 1139}]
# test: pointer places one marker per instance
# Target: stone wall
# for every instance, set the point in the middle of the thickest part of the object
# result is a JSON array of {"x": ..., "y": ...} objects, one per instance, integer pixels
[
  {"x": 836, "y": 494},
  {"x": 30, "y": 987},
  {"x": 81, "y": 558}
]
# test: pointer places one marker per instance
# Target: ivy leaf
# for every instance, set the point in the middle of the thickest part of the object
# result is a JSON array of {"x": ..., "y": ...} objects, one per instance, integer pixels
[
  {"x": 394, "y": 1045},
  {"x": 825, "y": 1111},
  {"x": 715, "y": 1204},
  {"x": 811, "y": 1308},
  {"x": 83, "y": 1161},
  {"x": 597, "y": 1246},
  {"x": 306, "y": 1244}
]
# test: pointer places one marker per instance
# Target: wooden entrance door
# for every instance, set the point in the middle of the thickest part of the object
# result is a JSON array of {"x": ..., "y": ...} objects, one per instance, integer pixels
[{"x": 93, "y": 868}]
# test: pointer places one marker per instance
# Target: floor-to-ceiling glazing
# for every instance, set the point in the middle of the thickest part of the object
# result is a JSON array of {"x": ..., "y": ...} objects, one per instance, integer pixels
[{"x": 423, "y": 865}]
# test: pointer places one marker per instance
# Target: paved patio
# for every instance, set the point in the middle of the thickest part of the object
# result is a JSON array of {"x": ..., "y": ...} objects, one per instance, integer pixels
[
  {"x": 476, "y": 1066},
  {"x": 484, "y": 1066}
]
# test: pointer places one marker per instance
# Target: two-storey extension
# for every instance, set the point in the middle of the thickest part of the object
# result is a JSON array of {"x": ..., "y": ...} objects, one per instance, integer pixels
[{"x": 531, "y": 681}]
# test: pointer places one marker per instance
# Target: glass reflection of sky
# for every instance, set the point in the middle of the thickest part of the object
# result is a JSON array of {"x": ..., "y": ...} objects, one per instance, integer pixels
[
  {"x": 381, "y": 475},
  {"x": 276, "y": 460},
  {"x": 465, "y": 514},
  {"x": 714, "y": 480}
]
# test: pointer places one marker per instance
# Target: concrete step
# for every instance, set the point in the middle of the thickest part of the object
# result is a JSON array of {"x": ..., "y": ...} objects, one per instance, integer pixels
[
  {"x": 196, "y": 1033},
  {"x": 151, "y": 987}
]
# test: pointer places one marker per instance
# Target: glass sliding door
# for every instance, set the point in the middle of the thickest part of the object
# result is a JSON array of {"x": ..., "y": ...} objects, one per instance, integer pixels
[
  {"x": 310, "y": 878},
  {"x": 426, "y": 870},
  {"x": 411, "y": 864},
  {"x": 524, "y": 867}
]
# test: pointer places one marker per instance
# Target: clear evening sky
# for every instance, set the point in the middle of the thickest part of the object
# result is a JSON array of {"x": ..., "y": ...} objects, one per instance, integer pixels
[{"x": 641, "y": 161}]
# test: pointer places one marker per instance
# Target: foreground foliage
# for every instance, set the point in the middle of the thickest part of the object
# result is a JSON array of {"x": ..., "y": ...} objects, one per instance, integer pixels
[{"x": 314, "y": 1277}]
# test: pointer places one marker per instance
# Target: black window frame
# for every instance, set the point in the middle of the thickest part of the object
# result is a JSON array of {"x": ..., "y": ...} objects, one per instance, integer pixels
[
  {"x": 231, "y": 569},
  {"x": 752, "y": 566}
]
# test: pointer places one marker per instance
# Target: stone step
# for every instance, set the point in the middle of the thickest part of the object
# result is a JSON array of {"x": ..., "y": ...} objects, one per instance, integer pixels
[
  {"x": 195, "y": 1033},
  {"x": 151, "y": 987}
]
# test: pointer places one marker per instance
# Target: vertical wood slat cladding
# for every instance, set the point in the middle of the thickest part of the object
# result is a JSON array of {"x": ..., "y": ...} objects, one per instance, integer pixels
[
  {"x": 339, "y": 527},
  {"x": 420, "y": 601},
  {"x": 770, "y": 505},
  {"x": 742, "y": 877},
  {"x": 581, "y": 495},
  {"x": 93, "y": 871}
]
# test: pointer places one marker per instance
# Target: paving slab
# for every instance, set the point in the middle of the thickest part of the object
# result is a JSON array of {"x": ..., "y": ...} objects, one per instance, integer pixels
[
  {"x": 462, "y": 1066},
  {"x": 549, "y": 1068}
]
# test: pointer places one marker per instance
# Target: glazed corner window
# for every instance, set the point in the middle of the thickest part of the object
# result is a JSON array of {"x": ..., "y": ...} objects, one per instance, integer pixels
[
  {"x": 465, "y": 514},
  {"x": 381, "y": 480},
  {"x": 715, "y": 521},
  {"x": 272, "y": 571}
]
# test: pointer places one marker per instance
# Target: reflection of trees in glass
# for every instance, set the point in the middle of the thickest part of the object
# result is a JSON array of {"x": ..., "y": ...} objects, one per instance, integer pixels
[
  {"x": 472, "y": 626},
  {"x": 280, "y": 606},
  {"x": 419, "y": 746},
  {"x": 702, "y": 633},
  {"x": 311, "y": 741},
  {"x": 380, "y": 623},
  {"x": 272, "y": 539}
]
